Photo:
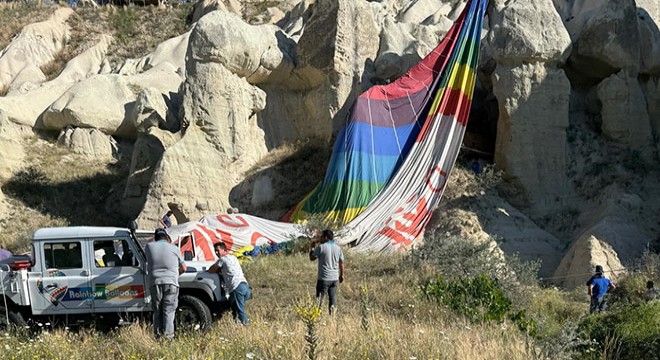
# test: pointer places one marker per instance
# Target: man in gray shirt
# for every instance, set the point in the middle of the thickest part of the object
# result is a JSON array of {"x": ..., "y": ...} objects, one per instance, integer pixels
[
  {"x": 164, "y": 265},
  {"x": 330, "y": 267}
]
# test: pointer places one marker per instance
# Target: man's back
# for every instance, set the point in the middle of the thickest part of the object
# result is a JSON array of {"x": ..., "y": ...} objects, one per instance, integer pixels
[
  {"x": 163, "y": 261},
  {"x": 600, "y": 285},
  {"x": 232, "y": 273},
  {"x": 329, "y": 256}
]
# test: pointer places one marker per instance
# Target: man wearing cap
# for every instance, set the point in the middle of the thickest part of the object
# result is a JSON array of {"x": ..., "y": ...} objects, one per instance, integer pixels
[
  {"x": 598, "y": 286},
  {"x": 330, "y": 267},
  {"x": 164, "y": 265}
]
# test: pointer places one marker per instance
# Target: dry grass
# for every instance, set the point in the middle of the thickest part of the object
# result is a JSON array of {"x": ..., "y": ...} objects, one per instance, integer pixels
[
  {"x": 404, "y": 325},
  {"x": 15, "y": 15}
]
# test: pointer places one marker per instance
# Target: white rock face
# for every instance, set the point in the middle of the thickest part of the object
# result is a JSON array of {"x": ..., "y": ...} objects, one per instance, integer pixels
[
  {"x": 651, "y": 89},
  {"x": 89, "y": 142},
  {"x": 251, "y": 52},
  {"x": 150, "y": 110},
  {"x": 621, "y": 97},
  {"x": 222, "y": 140},
  {"x": 147, "y": 152},
  {"x": 26, "y": 107},
  {"x": 519, "y": 235},
  {"x": 606, "y": 35},
  {"x": 35, "y": 46},
  {"x": 527, "y": 31},
  {"x": 531, "y": 133},
  {"x": 11, "y": 146}
]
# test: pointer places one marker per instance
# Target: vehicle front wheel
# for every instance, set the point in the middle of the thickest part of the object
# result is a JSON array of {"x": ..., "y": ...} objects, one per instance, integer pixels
[
  {"x": 192, "y": 312},
  {"x": 10, "y": 318}
]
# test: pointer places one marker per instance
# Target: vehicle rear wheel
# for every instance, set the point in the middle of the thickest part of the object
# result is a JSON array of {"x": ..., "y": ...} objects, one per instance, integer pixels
[
  {"x": 11, "y": 318},
  {"x": 192, "y": 312}
]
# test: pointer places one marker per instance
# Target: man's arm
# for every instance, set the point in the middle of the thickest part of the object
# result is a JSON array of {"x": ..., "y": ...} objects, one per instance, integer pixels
[
  {"x": 341, "y": 272},
  {"x": 215, "y": 268},
  {"x": 312, "y": 250},
  {"x": 589, "y": 290},
  {"x": 182, "y": 267}
]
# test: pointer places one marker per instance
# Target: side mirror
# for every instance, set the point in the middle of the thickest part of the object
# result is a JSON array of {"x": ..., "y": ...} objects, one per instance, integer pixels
[{"x": 187, "y": 255}]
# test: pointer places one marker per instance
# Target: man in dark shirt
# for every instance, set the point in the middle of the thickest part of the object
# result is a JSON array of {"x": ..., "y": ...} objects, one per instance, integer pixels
[
  {"x": 598, "y": 286},
  {"x": 165, "y": 221}
]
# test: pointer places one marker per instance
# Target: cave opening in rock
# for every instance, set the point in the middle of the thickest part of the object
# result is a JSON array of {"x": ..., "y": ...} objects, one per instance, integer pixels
[{"x": 481, "y": 132}]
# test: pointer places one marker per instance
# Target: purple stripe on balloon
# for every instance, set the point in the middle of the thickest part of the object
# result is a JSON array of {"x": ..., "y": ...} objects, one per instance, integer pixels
[{"x": 377, "y": 112}]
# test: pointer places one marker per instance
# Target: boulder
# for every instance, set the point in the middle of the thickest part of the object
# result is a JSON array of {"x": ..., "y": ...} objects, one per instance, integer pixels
[
  {"x": 259, "y": 53},
  {"x": 531, "y": 135},
  {"x": 89, "y": 142},
  {"x": 35, "y": 46},
  {"x": 27, "y": 79},
  {"x": 606, "y": 37},
  {"x": 98, "y": 102},
  {"x": 402, "y": 46},
  {"x": 417, "y": 11},
  {"x": 526, "y": 32},
  {"x": 172, "y": 51},
  {"x": 103, "y": 102},
  {"x": 578, "y": 264}
]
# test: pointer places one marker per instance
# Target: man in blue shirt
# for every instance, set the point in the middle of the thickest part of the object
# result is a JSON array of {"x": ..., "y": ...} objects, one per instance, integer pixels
[
  {"x": 598, "y": 286},
  {"x": 165, "y": 221}
]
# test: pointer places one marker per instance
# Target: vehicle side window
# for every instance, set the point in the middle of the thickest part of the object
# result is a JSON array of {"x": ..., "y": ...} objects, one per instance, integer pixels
[
  {"x": 112, "y": 253},
  {"x": 63, "y": 255}
]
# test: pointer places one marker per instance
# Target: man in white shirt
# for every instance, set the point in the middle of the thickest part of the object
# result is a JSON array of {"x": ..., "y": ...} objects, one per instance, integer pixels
[{"x": 233, "y": 281}]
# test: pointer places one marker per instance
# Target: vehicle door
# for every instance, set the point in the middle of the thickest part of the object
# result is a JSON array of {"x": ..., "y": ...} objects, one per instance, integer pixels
[
  {"x": 117, "y": 275},
  {"x": 63, "y": 279}
]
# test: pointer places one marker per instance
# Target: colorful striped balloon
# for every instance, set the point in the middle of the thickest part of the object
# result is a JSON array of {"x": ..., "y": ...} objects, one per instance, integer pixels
[{"x": 386, "y": 121}]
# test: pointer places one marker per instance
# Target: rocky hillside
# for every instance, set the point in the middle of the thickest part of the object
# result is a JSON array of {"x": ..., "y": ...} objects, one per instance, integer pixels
[{"x": 238, "y": 106}]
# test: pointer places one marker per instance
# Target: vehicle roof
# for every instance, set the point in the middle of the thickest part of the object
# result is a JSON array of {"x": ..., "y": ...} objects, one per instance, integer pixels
[{"x": 79, "y": 232}]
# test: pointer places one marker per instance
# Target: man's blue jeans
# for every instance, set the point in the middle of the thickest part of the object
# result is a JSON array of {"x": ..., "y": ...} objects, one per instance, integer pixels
[{"x": 237, "y": 300}]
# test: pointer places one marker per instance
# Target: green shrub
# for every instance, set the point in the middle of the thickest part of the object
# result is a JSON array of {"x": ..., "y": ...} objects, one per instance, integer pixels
[
  {"x": 478, "y": 298},
  {"x": 635, "y": 328}
]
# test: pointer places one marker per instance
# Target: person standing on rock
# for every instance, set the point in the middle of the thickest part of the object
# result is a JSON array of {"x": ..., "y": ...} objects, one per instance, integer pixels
[
  {"x": 165, "y": 221},
  {"x": 164, "y": 265},
  {"x": 598, "y": 287},
  {"x": 330, "y": 267}
]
